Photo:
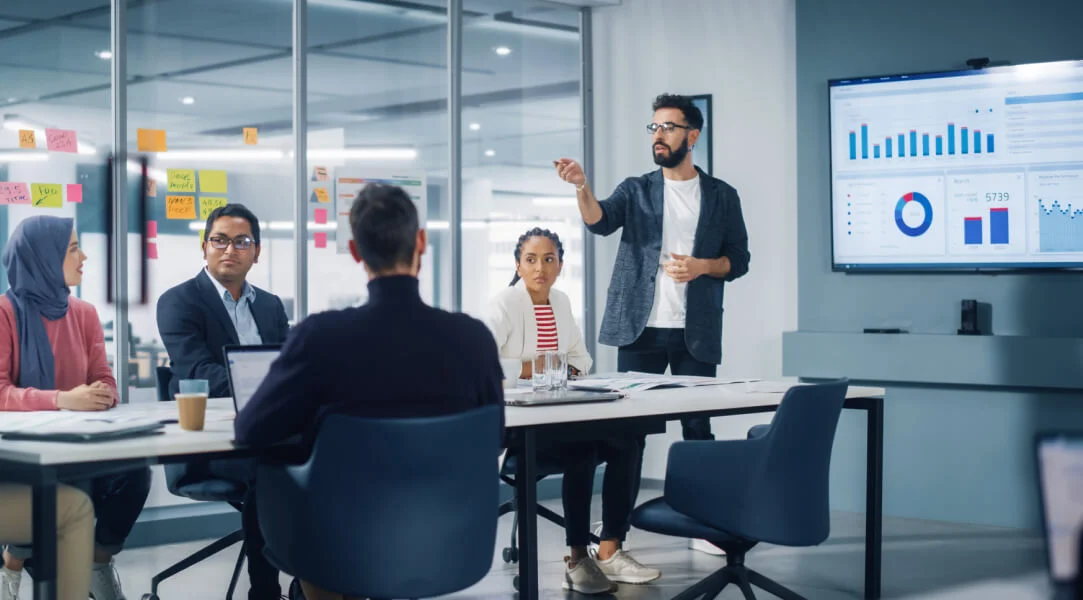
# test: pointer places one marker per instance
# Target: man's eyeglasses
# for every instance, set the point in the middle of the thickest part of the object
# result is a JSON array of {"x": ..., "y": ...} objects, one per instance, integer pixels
[
  {"x": 221, "y": 243},
  {"x": 666, "y": 127}
]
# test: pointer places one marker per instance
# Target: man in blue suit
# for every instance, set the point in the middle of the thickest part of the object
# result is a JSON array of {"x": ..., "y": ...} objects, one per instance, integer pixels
[{"x": 216, "y": 308}]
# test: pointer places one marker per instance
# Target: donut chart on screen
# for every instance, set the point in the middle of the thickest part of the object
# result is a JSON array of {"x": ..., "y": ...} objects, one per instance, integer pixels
[{"x": 923, "y": 202}]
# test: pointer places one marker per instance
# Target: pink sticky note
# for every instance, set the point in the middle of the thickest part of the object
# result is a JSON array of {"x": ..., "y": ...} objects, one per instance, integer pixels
[
  {"x": 14, "y": 193},
  {"x": 152, "y": 229},
  {"x": 321, "y": 239},
  {"x": 75, "y": 192},
  {"x": 61, "y": 140},
  {"x": 152, "y": 250},
  {"x": 321, "y": 216}
]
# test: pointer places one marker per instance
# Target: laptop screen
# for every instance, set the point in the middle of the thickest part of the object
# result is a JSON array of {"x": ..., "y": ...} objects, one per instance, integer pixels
[
  {"x": 248, "y": 366},
  {"x": 1060, "y": 471}
]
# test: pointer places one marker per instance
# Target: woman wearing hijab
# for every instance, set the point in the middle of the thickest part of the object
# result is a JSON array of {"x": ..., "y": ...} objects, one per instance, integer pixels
[{"x": 52, "y": 356}]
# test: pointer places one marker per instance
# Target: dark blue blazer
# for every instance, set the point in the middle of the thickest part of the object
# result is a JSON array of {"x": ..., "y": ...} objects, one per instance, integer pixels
[
  {"x": 637, "y": 206},
  {"x": 195, "y": 326}
]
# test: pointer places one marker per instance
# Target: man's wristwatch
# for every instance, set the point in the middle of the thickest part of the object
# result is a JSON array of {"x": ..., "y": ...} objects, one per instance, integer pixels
[{"x": 579, "y": 188}]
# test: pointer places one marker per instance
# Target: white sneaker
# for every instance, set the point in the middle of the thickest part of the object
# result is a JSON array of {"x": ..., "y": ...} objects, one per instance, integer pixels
[
  {"x": 105, "y": 582},
  {"x": 622, "y": 568},
  {"x": 705, "y": 547},
  {"x": 596, "y": 529},
  {"x": 586, "y": 578},
  {"x": 9, "y": 584}
]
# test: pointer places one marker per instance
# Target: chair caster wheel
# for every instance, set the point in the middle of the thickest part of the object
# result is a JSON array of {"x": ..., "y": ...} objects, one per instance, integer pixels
[
  {"x": 515, "y": 583},
  {"x": 150, "y": 597},
  {"x": 511, "y": 555}
]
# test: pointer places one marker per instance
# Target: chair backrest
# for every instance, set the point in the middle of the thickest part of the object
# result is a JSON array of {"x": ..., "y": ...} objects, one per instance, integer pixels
[
  {"x": 787, "y": 499},
  {"x": 388, "y": 508}
]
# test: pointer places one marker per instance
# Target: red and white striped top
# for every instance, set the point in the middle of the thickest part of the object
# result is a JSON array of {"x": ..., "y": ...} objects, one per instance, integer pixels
[{"x": 547, "y": 328}]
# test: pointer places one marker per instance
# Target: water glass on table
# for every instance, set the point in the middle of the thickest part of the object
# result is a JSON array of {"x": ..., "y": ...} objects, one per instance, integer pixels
[
  {"x": 539, "y": 379},
  {"x": 556, "y": 366},
  {"x": 192, "y": 403}
]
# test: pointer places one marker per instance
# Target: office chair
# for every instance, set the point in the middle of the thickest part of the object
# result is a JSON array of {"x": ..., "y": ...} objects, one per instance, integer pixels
[
  {"x": 189, "y": 481},
  {"x": 423, "y": 489},
  {"x": 772, "y": 487}
]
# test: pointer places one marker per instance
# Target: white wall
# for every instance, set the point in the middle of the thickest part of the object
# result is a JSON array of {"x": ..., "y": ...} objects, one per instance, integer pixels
[{"x": 743, "y": 53}]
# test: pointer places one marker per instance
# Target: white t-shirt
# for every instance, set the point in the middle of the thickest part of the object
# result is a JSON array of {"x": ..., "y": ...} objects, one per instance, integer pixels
[{"x": 680, "y": 217}]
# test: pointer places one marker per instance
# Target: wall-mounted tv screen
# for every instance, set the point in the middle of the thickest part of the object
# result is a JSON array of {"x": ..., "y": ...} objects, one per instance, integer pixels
[{"x": 963, "y": 170}]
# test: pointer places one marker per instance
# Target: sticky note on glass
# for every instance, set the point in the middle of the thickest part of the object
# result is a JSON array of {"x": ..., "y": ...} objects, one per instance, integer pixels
[
  {"x": 14, "y": 193},
  {"x": 180, "y": 207},
  {"x": 321, "y": 195},
  {"x": 61, "y": 140},
  {"x": 321, "y": 216},
  {"x": 75, "y": 192},
  {"x": 207, "y": 205},
  {"x": 47, "y": 195},
  {"x": 152, "y": 250},
  {"x": 251, "y": 136},
  {"x": 319, "y": 174},
  {"x": 152, "y": 229},
  {"x": 213, "y": 182},
  {"x": 321, "y": 239},
  {"x": 181, "y": 180},
  {"x": 152, "y": 188},
  {"x": 150, "y": 140},
  {"x": 27, "y": 139}
]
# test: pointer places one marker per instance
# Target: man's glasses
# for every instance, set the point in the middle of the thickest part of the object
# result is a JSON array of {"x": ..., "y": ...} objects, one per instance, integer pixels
[
  {"x": 666, "y": 127},
  {"x": 240, "y": 243}
]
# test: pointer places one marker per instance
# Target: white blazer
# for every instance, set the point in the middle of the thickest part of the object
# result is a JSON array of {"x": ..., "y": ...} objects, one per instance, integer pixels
[{"x": 511, "y": 319}]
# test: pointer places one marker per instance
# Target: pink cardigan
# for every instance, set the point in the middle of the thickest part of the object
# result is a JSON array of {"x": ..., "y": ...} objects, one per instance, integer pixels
[{"x": 78, "y": 345}]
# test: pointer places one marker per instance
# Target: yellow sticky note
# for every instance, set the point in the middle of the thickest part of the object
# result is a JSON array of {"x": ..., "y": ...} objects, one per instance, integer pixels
[
  {"x": 181, "y": 180},
  {"x": 321, "y": 195},
  {"x": 251, "y": 136},
  {"x": 26, "y": 139},
  {"x": 213, "y": 182},
  {"x": 180, "y": 207},
  {"x": 47, "y": 195},
  {"x": 150, "y": 140},
  {"x": 207, "y": 204}
]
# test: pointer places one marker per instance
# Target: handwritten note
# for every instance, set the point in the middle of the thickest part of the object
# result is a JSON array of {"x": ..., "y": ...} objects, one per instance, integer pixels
[
  {"x": 152, "y": 188},
  {"x": 251, "y": 136},
  {"x": 27, "y": 139},
  {"x": 321, "y": 216},
  {"x": 213, "y": 182},
  {"x": 320, "y": 174},
  {"x": 47, "y": 195},
  {"x": 180, "y": 207},
  {"x": 61, "y": 140},
  {"x": 321, "y": 239},
  {"x": 152, "y": 229},
  {"x": 14, "y": 193},
  {"x": 181, "y": 180},
  {"x": 321, "y": 195},
  {"x": 150, "y": 140},
  {"x": 75, "y": 193},
  {"x": 152, "y": 250},
  {"x": 207, "y": 205}
]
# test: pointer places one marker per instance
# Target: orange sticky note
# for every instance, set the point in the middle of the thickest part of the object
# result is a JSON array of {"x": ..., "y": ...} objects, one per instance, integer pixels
[
  {"x": 152, "y": 229},
  {"x": 180, "y": 207},
  {"x": 27, "y": 139},
  {"x": 152, "y": 187},
  {"x": 251, "y": 136},
  {"x": 61, "y": 140},
  {"x": 75, "y": 192},
  {"x": 321, "y": 239},
  {"x": 321, "y": 195},
  {"x": 150, "y": 140},
  {"x": 321, "y": 216},
  {"x": 152, "y": 250}
]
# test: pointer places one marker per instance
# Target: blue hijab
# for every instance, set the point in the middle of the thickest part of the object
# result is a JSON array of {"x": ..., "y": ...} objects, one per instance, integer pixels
[{"x": 34, "y": 259}]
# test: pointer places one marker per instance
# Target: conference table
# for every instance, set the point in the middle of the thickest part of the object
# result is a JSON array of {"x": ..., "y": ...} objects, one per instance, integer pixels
[{"x": 43, "y": 464}]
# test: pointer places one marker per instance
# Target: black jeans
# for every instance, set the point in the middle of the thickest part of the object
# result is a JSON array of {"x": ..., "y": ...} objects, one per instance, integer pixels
[
  {"x": 656, "y": 349},
  {"x": 619, "y": 484},
  {"x": 262, "y": 575}
]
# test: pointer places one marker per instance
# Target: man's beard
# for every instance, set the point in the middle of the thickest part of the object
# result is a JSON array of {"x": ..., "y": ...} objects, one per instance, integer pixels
[{"x": 674, "y": 158}]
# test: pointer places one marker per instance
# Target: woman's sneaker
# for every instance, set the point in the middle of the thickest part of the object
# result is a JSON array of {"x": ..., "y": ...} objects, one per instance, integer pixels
[
  {"x": 622, "y": 568},
  {"x": 586, "y": 578}
]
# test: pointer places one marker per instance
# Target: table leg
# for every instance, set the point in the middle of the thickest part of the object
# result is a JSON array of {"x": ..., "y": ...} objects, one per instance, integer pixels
[
  {"x": 874, "y": 497},
  {"x": 44, "y": 539},
  {"x": 527, "y": 500}
]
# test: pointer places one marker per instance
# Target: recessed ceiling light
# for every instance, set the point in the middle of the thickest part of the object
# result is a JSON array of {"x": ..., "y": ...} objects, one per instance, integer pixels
[
  {"x": 475, "y": 126},
  {"x": 502, "y": 50},
  {"x": 490, "y": 153},
  {"x": 104, "y": 54},
  {"x": 188, "y": 100}
]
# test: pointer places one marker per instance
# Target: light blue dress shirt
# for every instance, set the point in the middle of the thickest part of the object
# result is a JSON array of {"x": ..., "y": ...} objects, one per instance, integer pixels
[{"x": 240, "y": 312}]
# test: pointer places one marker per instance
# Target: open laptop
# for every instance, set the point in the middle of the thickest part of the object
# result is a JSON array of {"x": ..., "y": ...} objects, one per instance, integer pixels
[
  {"x": 1060, "y": 481},
  {"x": 527, "y": 397},
  {"x": 247, "y": 366}
]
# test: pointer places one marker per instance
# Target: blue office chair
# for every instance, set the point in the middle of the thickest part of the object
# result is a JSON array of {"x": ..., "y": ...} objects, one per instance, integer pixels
[
  {"x": 375, "y": 491},
  {"x": 772, "y": 487},
  {"x": 193, "y": 482}
]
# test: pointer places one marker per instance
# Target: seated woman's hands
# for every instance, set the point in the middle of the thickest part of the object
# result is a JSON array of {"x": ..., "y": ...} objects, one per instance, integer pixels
[{"x": 93, "y": 397}]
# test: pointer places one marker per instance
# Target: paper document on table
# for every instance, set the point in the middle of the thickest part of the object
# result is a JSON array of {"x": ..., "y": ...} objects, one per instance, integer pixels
[
  {"x": 629, "y": 382},
  {"x": 71, "y": 422}
]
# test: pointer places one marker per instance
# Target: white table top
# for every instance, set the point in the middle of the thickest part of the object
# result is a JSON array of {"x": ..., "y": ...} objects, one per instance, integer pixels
[{"x": 217, "y": 435}]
